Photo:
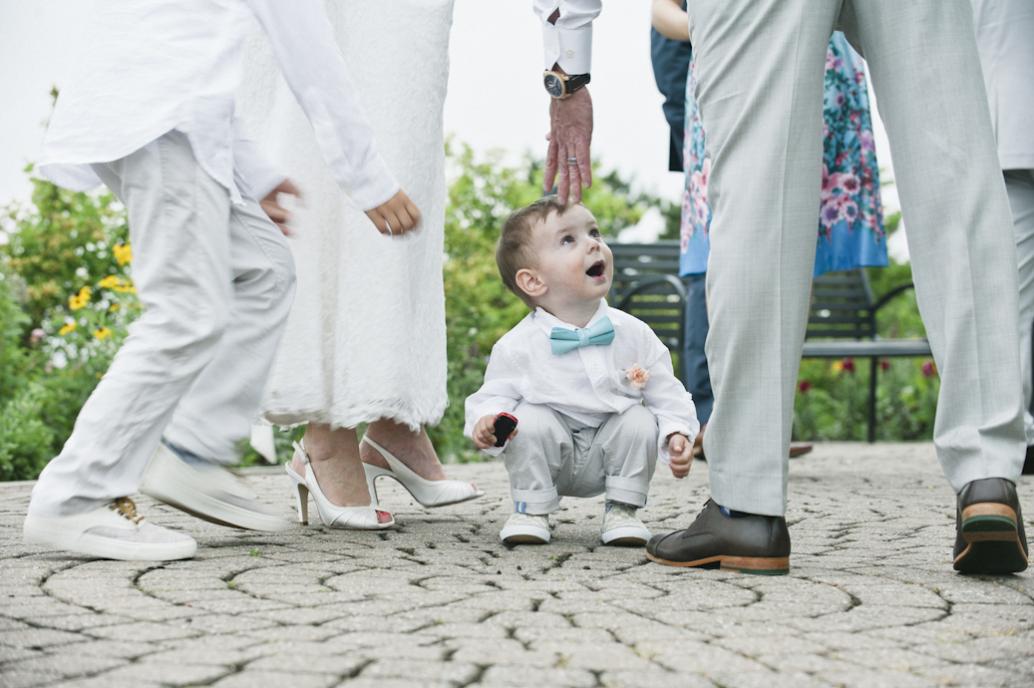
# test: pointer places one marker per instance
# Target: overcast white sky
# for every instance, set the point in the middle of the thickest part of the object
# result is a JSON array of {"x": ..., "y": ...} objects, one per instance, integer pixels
[{"x": 495, "y": 94}]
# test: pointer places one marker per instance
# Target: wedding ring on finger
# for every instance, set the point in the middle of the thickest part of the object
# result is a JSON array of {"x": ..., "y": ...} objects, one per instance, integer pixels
[
  {"x": 388, "y": 225},
  {"x": 571, "y": 160}
]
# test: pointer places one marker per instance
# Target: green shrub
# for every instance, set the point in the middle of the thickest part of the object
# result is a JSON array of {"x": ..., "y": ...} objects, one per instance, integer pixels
[
  {"x": 26, "y": 442},
  {"x": 60, "y": 242}
]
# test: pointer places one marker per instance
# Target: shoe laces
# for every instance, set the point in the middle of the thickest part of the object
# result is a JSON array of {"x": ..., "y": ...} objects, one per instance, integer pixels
[{"x": 126, "y": 508}]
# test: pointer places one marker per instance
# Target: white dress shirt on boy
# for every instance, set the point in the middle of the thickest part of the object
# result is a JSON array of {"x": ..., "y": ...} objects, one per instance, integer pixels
[
  {"x": 589, "y": 384},
  {"x": 183, "y": 74}
]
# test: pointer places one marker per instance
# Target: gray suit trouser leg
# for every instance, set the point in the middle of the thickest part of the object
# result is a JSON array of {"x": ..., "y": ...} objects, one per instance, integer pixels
[
  {"x": 553, "y": 456},
  {"x": 760, "y": 65},
  {"x": 1020, "y": 185}
]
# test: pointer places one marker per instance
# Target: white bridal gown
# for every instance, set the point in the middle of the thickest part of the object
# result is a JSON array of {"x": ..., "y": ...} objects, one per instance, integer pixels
[{"x": 366, "y": 337}]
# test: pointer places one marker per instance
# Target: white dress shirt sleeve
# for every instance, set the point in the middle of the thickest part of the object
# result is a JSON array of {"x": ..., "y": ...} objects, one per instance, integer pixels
[
  {"x": 568, "y": 41},
  {"x": 258, "y": 175},
  {"x": 668, "y": 400},
  {"x": 303, "y": 41},
  {"x": 500, "y": 392}
]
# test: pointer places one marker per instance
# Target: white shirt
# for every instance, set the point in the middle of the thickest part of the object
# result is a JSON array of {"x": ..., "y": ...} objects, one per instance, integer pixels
[
  {"x": 568, "y": 41},
  {"x": 588, "y": 384},
  {"x": 1005, "y": 38},
  {"x": 158, "y": 65}
]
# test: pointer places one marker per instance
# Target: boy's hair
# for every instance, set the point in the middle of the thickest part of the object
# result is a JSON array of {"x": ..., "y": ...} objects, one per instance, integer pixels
[{"x": 513, "y": 252}]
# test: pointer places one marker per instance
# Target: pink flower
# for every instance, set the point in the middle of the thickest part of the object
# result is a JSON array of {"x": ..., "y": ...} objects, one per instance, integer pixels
[
  {"x": 37, "y": 335},
  {"x": 804, "y": 386},
  {"x": 637, "y": 376},
  {"x": 929, "y": 369},
  {"x": 849, "y": 182}
]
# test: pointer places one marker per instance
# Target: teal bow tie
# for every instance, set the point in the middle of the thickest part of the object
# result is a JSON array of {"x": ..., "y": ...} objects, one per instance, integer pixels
[{"x": 563, "y": 339}]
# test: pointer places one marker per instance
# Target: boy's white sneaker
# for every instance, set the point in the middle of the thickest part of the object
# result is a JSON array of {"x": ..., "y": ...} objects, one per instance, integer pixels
[
  {"x": 114, "y": 531},
  {"x": 208, "y": 491},
  {"x": 525, "y": 529},
  {"x": 621, "y": 527}
]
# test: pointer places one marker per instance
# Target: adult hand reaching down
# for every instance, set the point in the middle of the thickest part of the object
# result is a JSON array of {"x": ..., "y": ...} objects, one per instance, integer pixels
[{"x": 570, "y": 136}]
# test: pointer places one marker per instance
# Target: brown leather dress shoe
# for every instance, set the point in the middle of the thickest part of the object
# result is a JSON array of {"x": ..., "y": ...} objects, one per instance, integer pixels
[
  {"x": 742, "y": 542},
  {"x": 989, "y": 528}
]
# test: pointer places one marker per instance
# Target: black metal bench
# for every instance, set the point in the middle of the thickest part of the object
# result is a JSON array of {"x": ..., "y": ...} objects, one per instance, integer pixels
[{"x": 841, "y": 323}]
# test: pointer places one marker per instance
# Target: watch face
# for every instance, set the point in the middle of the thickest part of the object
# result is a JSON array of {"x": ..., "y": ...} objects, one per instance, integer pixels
[{"x": 554, "y": 86}]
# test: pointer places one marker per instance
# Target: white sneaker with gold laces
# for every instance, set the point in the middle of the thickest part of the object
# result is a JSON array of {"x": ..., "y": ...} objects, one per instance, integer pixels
[{"x": 113, "y": 531}]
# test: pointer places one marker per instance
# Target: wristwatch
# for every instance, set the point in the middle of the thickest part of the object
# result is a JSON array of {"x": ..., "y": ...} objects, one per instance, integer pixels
[{"x": 560, "y": 85}]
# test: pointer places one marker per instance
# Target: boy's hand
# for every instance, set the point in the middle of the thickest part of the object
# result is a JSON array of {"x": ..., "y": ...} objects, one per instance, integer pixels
[
  {"x": 681, "y": 451},
  {"x": 396, "y": 216},
  {"x": 484, "y": 433},
  {"x": 276, "y": 212}
]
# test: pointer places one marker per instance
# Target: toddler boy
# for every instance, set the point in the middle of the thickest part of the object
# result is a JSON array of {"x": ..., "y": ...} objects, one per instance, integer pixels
[{"x": 592, "y": 387}]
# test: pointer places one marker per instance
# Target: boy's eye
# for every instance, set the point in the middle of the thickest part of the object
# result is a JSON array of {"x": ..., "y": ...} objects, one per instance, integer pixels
[
  {"x": 594, "y": 233},
  {"x": 567, "y": 239}
]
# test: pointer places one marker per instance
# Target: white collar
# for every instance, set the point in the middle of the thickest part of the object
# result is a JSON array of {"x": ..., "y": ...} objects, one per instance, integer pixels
[{"x": 547, "y": 321}]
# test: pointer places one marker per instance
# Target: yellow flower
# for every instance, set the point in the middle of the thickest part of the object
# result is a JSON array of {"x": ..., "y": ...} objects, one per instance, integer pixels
[
  {"x": 114, "y": 307},
  {"x": 837, "y": 367},
  {"x": 110, "y": 282},
  {"x": 67, "y": 328},
  {"x": 77, "y": 301},
  {"x": 123, "y": 253},
  {"x": 102, "y": 333},
  {"x": 125, "y": 287}
]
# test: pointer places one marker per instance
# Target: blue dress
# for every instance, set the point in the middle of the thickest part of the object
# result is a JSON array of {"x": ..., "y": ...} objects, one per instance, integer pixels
[{"x": 850, "y": 217}]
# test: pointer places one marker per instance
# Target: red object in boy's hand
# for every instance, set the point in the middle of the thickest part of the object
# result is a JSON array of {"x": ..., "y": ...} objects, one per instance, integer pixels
[{"x": 503, "y": 427}]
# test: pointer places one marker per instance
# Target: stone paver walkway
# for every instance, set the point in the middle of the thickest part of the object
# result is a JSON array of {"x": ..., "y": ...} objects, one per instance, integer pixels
[{"x": 871, "y": 600}]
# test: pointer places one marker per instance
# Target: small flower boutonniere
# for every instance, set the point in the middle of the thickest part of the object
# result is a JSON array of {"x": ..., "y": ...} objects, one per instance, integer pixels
[{"x": 637, "y": 376}]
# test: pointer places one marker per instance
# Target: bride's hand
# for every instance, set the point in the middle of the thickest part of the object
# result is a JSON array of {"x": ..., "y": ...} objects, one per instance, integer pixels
[
  {"x": 395, "y": 217},
  {"x": 276, "y": 212}
]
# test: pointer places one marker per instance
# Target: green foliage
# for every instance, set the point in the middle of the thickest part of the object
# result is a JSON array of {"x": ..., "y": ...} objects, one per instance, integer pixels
[
  {"x": 65, "y": 256},
  {"x": 60, "y": 242},
  {"x": 14, "y": 357}
]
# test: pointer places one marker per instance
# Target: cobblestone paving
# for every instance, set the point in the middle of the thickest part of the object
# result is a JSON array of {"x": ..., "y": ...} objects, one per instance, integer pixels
[{"x": 871, "y": 599}]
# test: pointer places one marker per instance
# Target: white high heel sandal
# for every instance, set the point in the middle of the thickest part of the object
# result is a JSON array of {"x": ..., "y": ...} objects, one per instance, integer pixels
[
  {"x": 332, "y": 515},
  {"x": 429, "y": 493}
]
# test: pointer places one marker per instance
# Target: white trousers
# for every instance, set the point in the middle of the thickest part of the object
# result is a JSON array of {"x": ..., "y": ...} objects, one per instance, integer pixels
[
  {"x": 760, "y": 65},
  {"x": 216, "y": 282},
  {"x": 552, "y": 456},
  {"x": 1020, "y": 185}
]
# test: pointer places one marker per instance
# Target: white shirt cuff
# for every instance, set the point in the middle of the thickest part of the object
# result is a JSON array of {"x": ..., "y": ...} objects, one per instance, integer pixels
[
  {"x": 374, "y": 187},
  {"x": 569, "y": 48}
]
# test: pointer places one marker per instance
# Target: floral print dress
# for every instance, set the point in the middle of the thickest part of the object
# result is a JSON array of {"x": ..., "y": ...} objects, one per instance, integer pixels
[{"x": 850, "y": 217}]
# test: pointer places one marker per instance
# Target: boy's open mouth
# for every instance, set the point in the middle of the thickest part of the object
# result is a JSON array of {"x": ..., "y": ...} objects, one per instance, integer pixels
[{"x": 596, "y": 270}]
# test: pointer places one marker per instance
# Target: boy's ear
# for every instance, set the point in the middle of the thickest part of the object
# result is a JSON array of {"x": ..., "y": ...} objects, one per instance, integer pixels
[{"x": 528, "y": 281}]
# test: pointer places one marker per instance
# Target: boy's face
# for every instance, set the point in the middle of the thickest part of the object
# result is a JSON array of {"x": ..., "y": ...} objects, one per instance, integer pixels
[{"x": 574, "y": 265}]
